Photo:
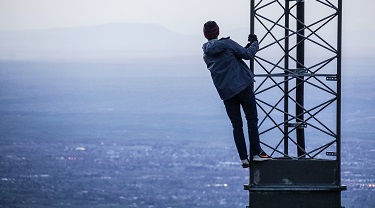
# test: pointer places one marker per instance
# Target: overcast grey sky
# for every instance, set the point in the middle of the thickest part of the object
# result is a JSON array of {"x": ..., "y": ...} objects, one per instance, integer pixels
[
  {"x": 180, "y": 16},
  {"x": 186, "y": 17},
  {"x": 177, "y": 15}
]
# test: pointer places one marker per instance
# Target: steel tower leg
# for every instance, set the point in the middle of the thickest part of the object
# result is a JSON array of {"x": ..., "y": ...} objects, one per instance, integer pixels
[
  {"x": 300, "y": 64},
  {"x": 286, "y": 79}
]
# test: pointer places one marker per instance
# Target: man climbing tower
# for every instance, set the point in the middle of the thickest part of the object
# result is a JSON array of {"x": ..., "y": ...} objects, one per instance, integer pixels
[{"x": 233, "y": 81}]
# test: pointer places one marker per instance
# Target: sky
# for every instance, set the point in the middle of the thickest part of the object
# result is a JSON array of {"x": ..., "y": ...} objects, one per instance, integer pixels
[{"x": 185, "y": 17}]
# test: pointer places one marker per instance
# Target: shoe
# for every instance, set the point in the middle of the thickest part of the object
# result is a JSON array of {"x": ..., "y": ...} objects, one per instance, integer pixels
[
  {"x": 246, "y": 163},
  {"x": 262, "y": 156}
]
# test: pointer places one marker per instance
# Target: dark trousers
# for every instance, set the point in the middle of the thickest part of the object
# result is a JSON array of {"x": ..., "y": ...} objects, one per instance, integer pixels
[{"x": 246, "y": 99}]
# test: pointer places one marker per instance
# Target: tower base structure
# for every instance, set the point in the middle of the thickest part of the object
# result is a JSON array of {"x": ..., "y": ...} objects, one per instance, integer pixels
[{"x": 276, "y": 183}]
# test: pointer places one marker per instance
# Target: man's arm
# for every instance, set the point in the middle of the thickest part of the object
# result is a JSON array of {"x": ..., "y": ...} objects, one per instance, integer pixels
[{"x": 243, "y": 52}]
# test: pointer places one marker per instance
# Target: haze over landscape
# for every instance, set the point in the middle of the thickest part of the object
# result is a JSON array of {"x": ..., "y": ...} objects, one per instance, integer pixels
[
  {"x": 110, "y": 42},
  {"x": 124, "y": 41}
]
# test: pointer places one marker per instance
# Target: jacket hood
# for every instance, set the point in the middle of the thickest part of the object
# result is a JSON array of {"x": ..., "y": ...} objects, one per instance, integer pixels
[{"x": 213, "y": 47}]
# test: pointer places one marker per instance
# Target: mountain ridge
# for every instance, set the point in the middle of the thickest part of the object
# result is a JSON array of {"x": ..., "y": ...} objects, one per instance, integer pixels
[
  {"x": 122, "y": 41},
  {"x": 106, "y": 42}
]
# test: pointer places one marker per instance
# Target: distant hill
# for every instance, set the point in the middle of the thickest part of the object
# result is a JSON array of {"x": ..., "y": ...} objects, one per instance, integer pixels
[
  {"x": 105, "y": 42},
  {"x": 121, "y": 41}
]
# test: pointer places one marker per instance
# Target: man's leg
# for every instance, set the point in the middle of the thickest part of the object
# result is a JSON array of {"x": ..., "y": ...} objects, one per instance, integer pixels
[
  {"x": 248, "y": 103},
  {"x": 232, "y": 107}
]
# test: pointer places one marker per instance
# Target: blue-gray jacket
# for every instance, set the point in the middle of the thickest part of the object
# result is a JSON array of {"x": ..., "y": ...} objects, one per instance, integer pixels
[{"x": 229, "y": 72}]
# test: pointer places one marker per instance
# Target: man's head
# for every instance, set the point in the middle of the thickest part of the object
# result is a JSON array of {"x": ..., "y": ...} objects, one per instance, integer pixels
[{"x": 211, "y": 30}]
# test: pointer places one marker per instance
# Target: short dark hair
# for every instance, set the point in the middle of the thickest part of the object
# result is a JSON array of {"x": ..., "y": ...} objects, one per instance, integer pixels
[{"x": 211, "y": 30}]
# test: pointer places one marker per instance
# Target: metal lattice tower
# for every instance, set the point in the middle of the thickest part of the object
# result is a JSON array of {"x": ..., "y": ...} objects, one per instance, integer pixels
[{"x": 298, "y": 89}]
